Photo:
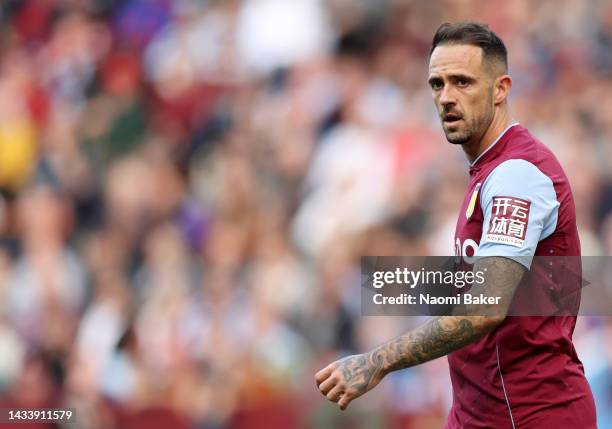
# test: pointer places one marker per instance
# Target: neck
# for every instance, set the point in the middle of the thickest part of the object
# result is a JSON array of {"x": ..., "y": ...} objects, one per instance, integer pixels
[{"x": 498, "y": 125}]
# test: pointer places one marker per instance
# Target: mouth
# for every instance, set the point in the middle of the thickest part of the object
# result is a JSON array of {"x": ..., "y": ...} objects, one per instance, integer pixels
[{"x": 451, "y": 118}]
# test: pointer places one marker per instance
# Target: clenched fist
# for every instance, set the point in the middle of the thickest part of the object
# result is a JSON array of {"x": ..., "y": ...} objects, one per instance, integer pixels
[{"x": 348, "y": 378}]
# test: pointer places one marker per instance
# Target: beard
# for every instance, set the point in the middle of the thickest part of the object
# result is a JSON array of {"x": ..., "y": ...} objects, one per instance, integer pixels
[
  {"x": 469, "y": 128},
  {"x": 458, "y": 136},
  {"x": 466, "y": 131}
]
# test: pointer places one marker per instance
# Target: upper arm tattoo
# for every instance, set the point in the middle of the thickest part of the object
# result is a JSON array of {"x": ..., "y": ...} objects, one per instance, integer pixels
[{"x": 502, "y": 278}]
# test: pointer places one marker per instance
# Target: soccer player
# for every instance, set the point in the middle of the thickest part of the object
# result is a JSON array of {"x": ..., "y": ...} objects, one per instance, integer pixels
[{"x": 506, "y": 371}]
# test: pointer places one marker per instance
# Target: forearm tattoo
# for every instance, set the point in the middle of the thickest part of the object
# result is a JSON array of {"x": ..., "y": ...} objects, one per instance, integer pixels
[{"x": 445, "y": 334}]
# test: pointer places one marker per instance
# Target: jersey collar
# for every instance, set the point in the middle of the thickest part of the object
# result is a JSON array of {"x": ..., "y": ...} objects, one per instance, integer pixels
[{"x": 499, "y": 137}]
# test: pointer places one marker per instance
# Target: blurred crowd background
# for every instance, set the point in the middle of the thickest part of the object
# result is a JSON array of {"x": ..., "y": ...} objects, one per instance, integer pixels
[{"x": 187, "y": 187}]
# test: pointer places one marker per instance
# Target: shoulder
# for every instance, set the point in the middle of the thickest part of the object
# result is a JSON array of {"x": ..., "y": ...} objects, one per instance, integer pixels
[
  {"x": 523, "y": 145},
  {"x": 517, "y": 176}
]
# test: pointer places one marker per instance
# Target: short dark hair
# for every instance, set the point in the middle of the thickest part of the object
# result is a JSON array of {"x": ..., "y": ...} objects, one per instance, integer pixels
[{"x": 475, "y": 34}]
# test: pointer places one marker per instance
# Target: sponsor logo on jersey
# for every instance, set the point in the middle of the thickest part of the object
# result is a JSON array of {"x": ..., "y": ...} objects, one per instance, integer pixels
[
  {"x": 470, "y": 208},
  {"x": 509, "y": 220}
]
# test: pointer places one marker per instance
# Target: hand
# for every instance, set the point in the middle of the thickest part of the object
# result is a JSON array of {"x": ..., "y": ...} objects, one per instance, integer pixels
[{"x": 348, "y": 378}]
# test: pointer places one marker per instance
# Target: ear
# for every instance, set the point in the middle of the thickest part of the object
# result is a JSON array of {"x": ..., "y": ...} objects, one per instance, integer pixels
[{"x": 501, "y": 88}]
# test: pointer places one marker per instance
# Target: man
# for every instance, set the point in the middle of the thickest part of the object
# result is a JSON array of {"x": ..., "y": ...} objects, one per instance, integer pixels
[{"x": 506, "y": 371}]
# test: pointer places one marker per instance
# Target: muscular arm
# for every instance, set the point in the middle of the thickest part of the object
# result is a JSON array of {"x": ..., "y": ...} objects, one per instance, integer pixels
[{"x": 346, "y": 379}]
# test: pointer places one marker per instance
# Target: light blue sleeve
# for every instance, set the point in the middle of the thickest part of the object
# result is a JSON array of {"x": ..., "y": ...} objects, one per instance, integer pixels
[{"x": 520, "y": 208}]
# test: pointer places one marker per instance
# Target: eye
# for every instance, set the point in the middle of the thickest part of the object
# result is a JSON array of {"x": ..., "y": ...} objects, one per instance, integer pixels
[
  {"x": 462, "y": 82},
  {"x": 436, "y": 84}
]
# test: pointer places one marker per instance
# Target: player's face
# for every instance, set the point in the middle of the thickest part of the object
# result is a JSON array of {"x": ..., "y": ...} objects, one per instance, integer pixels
[{"x": 462, "y": 89}]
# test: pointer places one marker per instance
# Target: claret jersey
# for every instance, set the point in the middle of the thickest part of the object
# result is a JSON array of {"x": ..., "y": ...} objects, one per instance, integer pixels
[{"x": 525, "y": 373}]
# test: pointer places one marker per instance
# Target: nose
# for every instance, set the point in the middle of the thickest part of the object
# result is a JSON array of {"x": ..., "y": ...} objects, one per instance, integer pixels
[{"x": 447, "y": 97}]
